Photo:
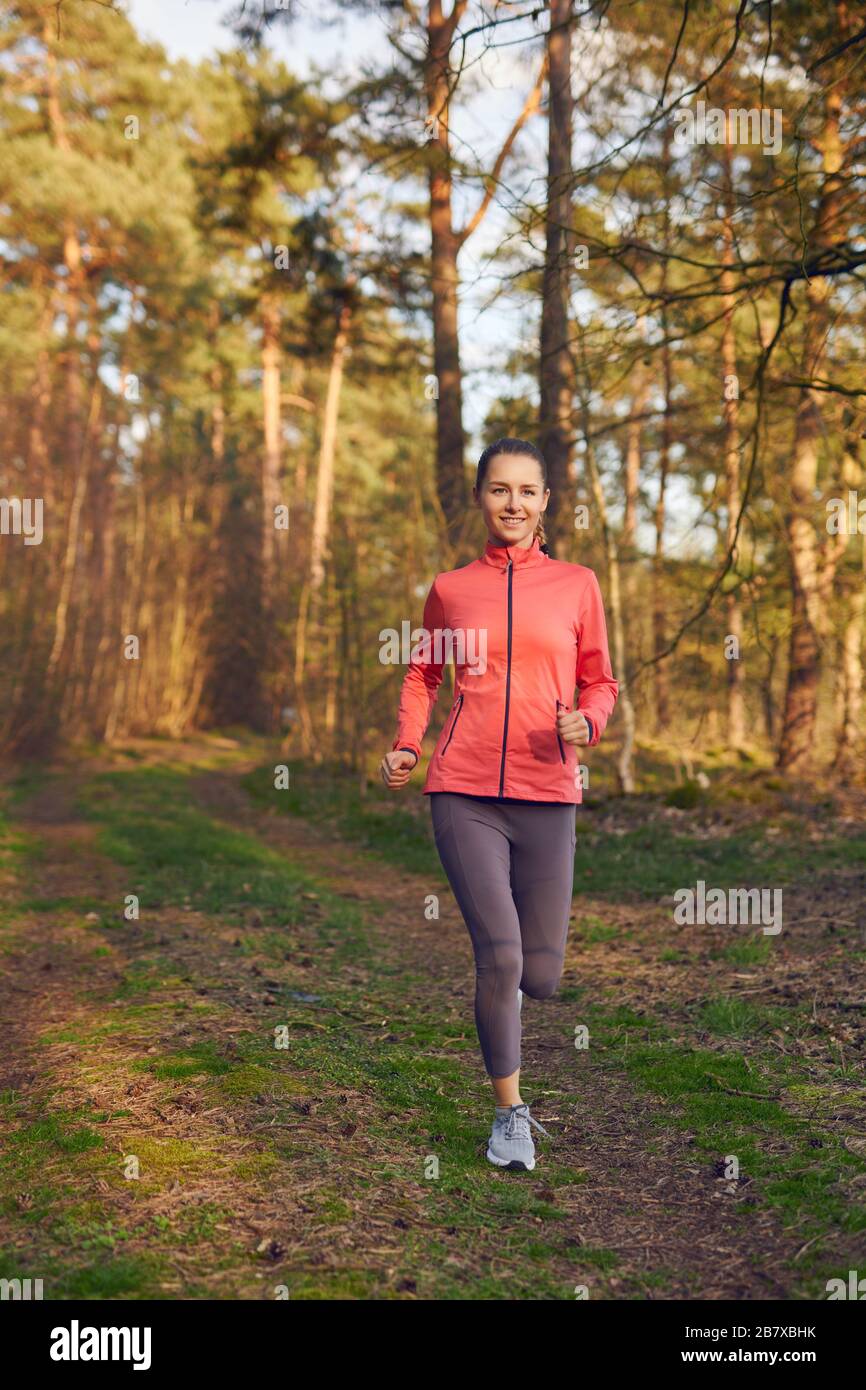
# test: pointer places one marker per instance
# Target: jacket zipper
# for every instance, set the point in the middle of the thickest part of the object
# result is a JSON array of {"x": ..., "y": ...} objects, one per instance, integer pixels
[
  {"x": 558, "y": 739},
  {"x": 507, "y": 683},
  {"x": 460, "y": 700}
]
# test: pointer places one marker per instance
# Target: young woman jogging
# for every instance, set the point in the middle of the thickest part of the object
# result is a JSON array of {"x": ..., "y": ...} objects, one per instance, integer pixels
[{"x": 504, "y": 780}]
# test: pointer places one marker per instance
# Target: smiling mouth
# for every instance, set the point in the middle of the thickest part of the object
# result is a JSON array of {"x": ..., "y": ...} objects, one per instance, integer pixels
[{"x": 512, "y": 520}]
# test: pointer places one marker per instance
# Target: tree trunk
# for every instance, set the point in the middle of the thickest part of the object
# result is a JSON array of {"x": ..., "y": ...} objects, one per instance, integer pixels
[
  {"x": 327, "y": 450},
  {"x": 271, "y": 455},
  {"x": 631, "y": 481},
  {"x": 624, "y": 762},
  {"x": 625, "y": 756},
  {"x": 628, "y": 551},
  {"x": 731, "y": 412},
  {"x": 659, "y": 599},
  {"x": 67, "y": 572},
  {"x": 849, "y": 746},
  {"x": 849, "y": 757},
  {"x": 556, "y": 369},
  {"x": 133, "y": 580},
  {"x": 175, "y": 689},
  {"x": 70, "y": 291},
  {"x": 37, "y": 448},
  {"x": 808, "y": 586},
  {"x": 321, "y": 519},
  {"x": 450, "y": 479}
]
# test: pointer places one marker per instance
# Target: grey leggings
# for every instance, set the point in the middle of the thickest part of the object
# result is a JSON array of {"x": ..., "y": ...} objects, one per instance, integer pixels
[{"x": 511, "y": 868}]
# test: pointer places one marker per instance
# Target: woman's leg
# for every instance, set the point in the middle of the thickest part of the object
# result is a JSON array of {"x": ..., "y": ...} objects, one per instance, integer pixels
[
  {"x": 542, "y": 883},
  {"x": 475, "y": 850}
]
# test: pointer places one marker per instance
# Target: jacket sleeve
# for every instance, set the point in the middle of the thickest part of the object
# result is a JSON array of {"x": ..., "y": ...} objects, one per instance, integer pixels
[
  {"x": 423, "y": 677},
  {"x": 593, "y": 674}
]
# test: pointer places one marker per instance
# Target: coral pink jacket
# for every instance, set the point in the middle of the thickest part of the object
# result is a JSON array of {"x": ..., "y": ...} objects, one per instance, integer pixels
[{"x": 524, "y": 630}]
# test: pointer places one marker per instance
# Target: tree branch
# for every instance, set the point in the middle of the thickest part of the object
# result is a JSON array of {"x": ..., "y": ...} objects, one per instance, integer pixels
[{"x": 531, "y": 105}]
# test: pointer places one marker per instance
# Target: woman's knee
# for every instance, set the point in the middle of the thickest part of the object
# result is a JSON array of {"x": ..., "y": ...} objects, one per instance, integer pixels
[
  {"x": 541, "y": 985},
  {"x": 504, "y": 966}
]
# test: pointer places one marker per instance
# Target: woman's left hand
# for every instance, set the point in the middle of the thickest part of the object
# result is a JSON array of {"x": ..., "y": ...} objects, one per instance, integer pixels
[{"x": 571, "y": 726}]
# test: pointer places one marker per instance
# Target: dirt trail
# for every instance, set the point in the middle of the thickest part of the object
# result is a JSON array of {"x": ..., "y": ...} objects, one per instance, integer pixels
[
  {"x": 637, "y": 1189},
  {"x": 652, "y": 1208},
  {"x": 54, "y": 980}
]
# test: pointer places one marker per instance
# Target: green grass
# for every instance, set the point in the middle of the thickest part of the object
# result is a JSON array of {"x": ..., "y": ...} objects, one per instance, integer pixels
[
  {"x": 754, "y": 950},
  {"x": 421, "y": 1109},
  {"x": 176, "y": 856},
  {"x": 591, "y": 929},
  {"x": 395, "y": 827},
  {"x": 655, "y": 860},
  {"x": 727, "y": 1017},
  {"x": 648, "y": 862},
  {"x": 78, "y": 905},
  {"x": 729, "y": 1106}
]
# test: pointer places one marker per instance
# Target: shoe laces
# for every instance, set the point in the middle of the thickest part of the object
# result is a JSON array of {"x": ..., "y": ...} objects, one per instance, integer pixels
[{"x": 518, "y": 1117}]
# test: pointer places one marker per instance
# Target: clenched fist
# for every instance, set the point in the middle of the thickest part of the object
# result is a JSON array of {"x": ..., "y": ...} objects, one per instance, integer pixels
[
  {"x": 396, "y": 768},
  {"x": 572, "y": 726}
]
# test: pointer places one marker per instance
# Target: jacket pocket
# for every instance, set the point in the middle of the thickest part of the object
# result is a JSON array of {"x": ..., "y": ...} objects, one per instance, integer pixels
[
  {"x": 558, "y": 739},
  {"x": 458, "y": 712}
]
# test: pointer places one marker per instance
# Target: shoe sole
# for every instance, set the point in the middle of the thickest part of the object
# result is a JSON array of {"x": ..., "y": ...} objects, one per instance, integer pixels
[{"x": 515, "y": 1164}]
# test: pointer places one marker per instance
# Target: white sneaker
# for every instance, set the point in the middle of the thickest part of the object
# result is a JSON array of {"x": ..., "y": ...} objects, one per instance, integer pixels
[{"x": 510, "y": 1144}]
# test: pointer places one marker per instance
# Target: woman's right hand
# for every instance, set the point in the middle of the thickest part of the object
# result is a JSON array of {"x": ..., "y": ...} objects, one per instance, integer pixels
[{"x": 396, "y": 768}]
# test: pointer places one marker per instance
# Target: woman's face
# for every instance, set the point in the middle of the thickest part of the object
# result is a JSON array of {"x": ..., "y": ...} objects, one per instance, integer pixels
[{"x": 512, "y": 498}]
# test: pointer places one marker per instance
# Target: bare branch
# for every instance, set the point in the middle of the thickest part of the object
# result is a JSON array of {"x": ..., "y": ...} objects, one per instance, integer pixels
[{"x": 530, "y": 107}]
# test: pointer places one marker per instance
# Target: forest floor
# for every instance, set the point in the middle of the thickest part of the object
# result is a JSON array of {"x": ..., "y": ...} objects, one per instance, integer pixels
[{"x": 267, "y": 1083}]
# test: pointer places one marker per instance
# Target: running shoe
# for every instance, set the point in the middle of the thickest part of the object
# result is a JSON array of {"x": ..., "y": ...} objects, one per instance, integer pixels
[{"x": 511, "y": 1144}]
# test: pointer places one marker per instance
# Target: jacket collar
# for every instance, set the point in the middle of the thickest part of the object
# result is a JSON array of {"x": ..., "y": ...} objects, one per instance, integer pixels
[{"x": 521, "y": 556}]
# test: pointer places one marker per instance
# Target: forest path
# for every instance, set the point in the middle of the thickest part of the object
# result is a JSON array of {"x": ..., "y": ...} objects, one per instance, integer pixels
[
  {"x": 638, "y": 1191},
  {"x": 314, "y": 1169}
]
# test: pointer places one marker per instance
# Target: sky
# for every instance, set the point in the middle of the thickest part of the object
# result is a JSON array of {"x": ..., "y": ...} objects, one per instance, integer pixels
[
  {"x": 187, "y": 28},
  {"x": 193, "y": 29}
]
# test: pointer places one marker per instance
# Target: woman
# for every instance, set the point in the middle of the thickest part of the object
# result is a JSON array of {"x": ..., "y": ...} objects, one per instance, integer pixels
[{"x": 504, "y": 780}]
